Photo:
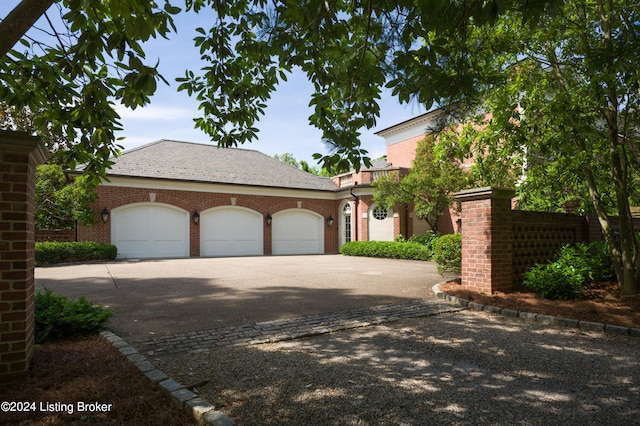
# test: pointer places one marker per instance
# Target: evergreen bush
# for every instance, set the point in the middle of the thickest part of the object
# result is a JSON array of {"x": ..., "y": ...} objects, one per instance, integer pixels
[
  {"x": 448, "y": 253},
  {"x": 386, "y": 249},
  {"x": 57, "y": 317},
  {"x": 57, "y": 252}
]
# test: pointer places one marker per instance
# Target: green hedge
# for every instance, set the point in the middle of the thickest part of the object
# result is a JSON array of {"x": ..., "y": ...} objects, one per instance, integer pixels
[
  {"x": 54, "y": 252},
  {"x": 387, "y": 249}
]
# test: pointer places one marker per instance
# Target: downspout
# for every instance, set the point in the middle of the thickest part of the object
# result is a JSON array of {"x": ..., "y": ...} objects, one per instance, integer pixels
[
  {"x": 406, "y": 221},
  {"x": 355, "y": 222}
]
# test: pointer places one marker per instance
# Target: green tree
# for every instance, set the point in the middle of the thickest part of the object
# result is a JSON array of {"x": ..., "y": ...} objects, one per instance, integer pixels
[
  {"x": 60, "y": 201},
  {"x": 565, "y": 108},
  {"x": 90, "y": 55},
  {"x": 436, "y": 174},
  {"x": 69, "y": 73},
  {"x": 288, "y": 158}
]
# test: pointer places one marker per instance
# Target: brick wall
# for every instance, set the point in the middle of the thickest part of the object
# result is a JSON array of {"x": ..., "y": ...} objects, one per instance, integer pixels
[
  {"x": 538, "y": 236},
  {"x": 500, "y": 244},
  {"x": 62, "y": 235},
  {"x": 486, "y": 243},
  {"x": 19, "y": 156},
  {"x": 110, "y": 197},
  {"x": 401, "y": 154}
]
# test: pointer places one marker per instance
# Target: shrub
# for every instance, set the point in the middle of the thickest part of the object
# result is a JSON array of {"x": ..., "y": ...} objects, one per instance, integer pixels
[
  {"x": 554, "y": 281},
  {"x": 603, "y": 265},
  {"x": 57, "y": 317},
  {"x": 574, "y": 267},
  {"x": 387, "y": 249},
  {"x": 56, "y": 252},
  {"x": 448, "y": 253},
  {"x": 428, "y": 239}
]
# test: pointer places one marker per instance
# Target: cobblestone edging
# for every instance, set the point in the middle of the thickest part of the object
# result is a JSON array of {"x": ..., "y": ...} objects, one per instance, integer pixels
[
  {"x": 202, "y": 411},
  {"x": 543, "y": 319},
  {"x": 294, "y": 328}
]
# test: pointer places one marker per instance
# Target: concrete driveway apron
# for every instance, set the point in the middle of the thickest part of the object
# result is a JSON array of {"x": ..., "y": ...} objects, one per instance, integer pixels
[{"x": 161, "y": 297}]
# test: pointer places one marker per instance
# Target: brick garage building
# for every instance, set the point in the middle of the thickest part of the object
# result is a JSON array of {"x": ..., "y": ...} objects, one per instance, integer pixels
[{"x": 179, "y": 199}]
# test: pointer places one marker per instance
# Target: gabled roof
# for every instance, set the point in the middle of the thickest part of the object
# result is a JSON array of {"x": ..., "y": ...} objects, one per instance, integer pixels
[
  {"x": 422, "y": 120},
  {"x": 186, "y": 161}
]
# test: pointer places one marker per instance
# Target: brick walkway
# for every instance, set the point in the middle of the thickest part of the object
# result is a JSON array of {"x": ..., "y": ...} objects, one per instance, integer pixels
[{"x": 293, "y": 328}]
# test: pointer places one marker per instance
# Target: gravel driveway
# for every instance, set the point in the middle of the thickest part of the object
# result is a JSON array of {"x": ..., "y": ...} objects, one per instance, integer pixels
[{"x": 464, "y": 368}]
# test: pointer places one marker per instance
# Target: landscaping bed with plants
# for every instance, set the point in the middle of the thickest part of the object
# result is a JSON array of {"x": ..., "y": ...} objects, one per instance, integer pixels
[
  {"x": 599, "y": 302},
  {"x": 578, "y": 284},
  {"x": 445, "y": 250},
  {"x": 73, "y": 368}
]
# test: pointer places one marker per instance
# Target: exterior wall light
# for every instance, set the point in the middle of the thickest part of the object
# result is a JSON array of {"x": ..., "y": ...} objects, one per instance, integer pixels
[
  {"x": 330, "y": 221},
  {"x": 269, "y": 219},
  {"x": 105, "y": 215},
  {"x": 195, "y": 217}
]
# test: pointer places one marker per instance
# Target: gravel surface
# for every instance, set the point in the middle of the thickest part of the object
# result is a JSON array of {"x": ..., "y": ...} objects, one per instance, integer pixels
[{"x": 464, "y": 368}]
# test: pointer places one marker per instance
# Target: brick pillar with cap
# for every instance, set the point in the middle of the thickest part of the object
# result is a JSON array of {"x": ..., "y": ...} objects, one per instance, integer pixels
[
  {"x": 487, "y": 239},
  {"x": 20, "y": 153}
]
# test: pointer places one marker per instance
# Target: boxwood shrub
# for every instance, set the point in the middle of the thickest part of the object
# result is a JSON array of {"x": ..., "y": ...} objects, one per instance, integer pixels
[
  {"x": 387, "y": 249},
  {"x": 57, "y": 317},
  {"x": 448, "y": 253},
  {"x": 55, "y": 252}
]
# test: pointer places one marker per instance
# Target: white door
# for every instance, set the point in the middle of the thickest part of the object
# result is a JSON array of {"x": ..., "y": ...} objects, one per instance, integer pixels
[
  {"x": 380, "y": 224},
  {"x": 150, "y": 230},
  {"x": 231, "y": 231},
  {"x": 297, "y": 231}
]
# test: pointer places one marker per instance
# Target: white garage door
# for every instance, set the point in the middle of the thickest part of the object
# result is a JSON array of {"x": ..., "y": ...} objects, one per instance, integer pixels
[
  {"x": 298, "y": 232},
  {"x": 231, "y": 231},
  {"x": 150, "y": 230}
]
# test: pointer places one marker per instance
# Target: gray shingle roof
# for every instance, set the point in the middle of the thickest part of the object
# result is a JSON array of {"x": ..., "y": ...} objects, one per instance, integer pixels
[{"x": 186, "y": 161}]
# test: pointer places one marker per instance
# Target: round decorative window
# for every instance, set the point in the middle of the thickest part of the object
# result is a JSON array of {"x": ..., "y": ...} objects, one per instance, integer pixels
[
  {"x": 380, "y": 213},
  {"x": 347, "y": 209}
]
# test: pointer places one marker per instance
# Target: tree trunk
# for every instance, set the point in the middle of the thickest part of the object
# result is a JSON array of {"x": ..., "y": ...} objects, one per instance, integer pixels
[
  {"x": 627, "y": 268},
  {"x": 18, "y": 22}
]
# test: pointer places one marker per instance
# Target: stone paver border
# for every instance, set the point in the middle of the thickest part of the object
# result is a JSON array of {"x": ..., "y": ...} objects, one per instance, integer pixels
[
  {"x": 543, "y": 319},
  {"x": 293, "y": 328},
  {"x": 202, "y": 411}
]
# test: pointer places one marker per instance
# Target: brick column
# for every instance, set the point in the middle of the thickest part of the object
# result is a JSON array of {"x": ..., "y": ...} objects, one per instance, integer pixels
[
  {"x": 486, "y": 239},
  {"x": 20, "y": 153}
]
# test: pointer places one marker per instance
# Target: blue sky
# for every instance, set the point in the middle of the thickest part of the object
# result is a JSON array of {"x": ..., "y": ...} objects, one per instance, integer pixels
[{"x": 284, "y": 128}]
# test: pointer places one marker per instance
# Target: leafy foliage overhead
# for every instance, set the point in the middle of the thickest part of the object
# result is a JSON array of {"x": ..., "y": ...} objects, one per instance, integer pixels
[
  {"x": 89, "y": 55},
  {"x": 69, "y": 73}
]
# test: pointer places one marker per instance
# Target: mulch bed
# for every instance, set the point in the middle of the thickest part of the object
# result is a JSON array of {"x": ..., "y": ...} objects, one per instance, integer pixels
[
  {"x": 600, "y": 303},
  {"x": 88, "y": 370}
]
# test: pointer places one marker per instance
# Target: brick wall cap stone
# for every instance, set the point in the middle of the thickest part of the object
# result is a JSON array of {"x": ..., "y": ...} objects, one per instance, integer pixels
[
  {"x": 485, "y": 193},
  {"x": 22, "y": 142}
]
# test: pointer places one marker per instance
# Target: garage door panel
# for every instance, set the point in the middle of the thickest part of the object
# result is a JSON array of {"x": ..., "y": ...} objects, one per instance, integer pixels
[
  {"x": 298, "y": 232},
  {"x": 148, "y": 231},
  {"x": 132, "y": 248},
  {"x": 133, "y": 224},
  {"x": 231, "y": 231}
]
